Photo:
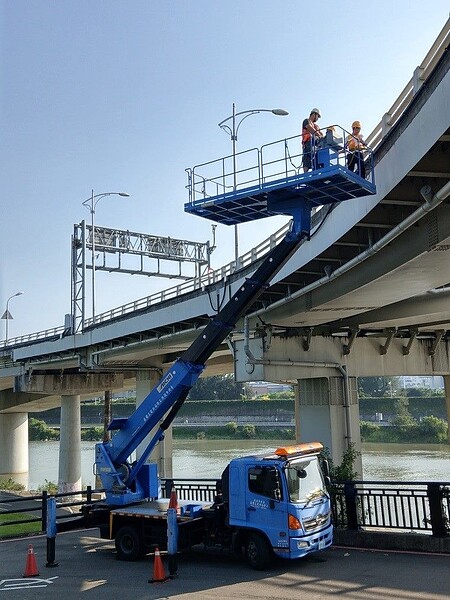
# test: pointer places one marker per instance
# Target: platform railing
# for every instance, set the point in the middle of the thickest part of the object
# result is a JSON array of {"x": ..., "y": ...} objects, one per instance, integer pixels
[
  {"x": 374, "y": 139},
  {"x": 274, "y": 162}
]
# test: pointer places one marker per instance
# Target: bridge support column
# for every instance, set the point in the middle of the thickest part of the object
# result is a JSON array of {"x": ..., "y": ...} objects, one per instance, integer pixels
[
  {"x": 327, "y": 411},
  {"x": 14, "y": 447},
  {"x": 162, "y": 454},
  {"x": 447, "y": 401},
  {"x": 69, "y": 475}
]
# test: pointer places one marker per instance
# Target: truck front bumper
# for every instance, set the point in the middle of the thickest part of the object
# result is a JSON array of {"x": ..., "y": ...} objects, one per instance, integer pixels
[{"x": 313, "y": 542}]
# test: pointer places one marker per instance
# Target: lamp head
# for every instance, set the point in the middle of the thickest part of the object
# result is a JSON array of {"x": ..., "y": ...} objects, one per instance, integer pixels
[
  {"x": 280, "y": 112},
  {"x": 124, "y": 194}
]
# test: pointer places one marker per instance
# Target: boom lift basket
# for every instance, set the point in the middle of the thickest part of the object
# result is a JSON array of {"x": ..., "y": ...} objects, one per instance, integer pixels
[{"x": 270, "y": 181}]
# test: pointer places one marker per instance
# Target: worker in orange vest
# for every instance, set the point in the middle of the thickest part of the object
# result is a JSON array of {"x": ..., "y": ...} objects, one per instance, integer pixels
[
  {"x": 355, "y": 146},
  {"x": 311, "y": 135}
]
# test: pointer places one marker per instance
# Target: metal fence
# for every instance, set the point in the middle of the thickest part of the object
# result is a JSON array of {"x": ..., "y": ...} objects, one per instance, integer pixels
[
  {"x": 36, "y": 507},
  {"x": 397, "y": 505},
  {"x": 400, "y": 506},
  {"x": 357, "y": 505}
]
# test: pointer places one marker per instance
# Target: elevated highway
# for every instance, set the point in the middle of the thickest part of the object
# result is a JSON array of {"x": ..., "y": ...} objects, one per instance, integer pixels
[{"x": 368, "y": 294}]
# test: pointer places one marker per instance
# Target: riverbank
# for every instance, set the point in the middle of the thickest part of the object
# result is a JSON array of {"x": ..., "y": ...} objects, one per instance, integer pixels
[{"x": 428, "y": 432}]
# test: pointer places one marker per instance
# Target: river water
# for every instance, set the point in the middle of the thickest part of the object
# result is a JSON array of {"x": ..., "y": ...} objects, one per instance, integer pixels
[{"x": 207, "y": 459}]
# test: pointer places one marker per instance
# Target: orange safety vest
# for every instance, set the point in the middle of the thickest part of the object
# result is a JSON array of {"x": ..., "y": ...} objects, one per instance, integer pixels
[
  {"x": 306, "y": 135},
  {"x": 355, "y": 142}
]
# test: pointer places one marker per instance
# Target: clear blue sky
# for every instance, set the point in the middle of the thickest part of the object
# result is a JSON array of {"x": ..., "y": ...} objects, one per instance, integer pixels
[{"x": 112, "y": 95}]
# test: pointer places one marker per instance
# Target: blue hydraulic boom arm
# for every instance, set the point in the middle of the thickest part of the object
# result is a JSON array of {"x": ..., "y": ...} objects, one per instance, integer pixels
[
  {"x": 294, "y": 195},
  {"x": 124, "y": 482}
]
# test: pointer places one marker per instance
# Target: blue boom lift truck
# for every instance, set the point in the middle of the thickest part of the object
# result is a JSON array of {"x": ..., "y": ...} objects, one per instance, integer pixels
[{"x": 276, "y": 504}]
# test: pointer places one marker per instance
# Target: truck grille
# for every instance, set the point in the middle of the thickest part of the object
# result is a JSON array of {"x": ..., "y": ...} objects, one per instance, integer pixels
[{"x": 316, "y": 522}]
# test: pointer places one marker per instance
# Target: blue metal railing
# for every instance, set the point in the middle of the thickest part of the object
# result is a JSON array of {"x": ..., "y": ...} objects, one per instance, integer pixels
[{"x": 275, "y": 161}]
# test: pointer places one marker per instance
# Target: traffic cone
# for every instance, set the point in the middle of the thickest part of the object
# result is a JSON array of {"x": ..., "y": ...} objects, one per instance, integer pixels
[
  {"x": 159, "y": 575},
  {"x": 31, "y": 569},
  {"x": 173, "y": 501}
]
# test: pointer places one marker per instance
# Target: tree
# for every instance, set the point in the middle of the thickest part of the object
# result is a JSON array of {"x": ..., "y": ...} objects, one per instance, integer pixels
[
  {"x": 376, "y": 387},
  {"x": 434, "y": 429},
  {"x": 218, "y": 387}
]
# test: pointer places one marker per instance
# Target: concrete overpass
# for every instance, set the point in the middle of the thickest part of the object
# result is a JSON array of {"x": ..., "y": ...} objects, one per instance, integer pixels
[{"x": 367, "y": 295}]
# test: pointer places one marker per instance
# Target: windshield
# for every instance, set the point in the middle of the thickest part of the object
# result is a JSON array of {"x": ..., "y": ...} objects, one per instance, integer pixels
[{"x": 305, "y": 481}]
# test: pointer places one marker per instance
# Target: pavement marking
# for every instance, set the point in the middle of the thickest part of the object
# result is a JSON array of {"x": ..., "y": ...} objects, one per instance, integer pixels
[{"x": 25, "y": 584}]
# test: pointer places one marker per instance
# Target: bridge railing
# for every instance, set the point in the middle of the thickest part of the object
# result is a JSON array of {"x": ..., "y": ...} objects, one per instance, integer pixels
[
  {"x": 390, "y": 118},
  {"x": 420, "y": 75}
]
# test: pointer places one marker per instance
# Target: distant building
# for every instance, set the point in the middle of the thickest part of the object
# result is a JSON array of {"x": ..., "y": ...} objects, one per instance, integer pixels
[
  {"x": 434, "y": 382},
  {"x": 259, "y": 388}
]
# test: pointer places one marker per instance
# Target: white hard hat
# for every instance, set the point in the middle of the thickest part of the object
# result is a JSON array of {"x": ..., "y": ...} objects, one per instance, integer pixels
[{"x": 315, "y": 110}]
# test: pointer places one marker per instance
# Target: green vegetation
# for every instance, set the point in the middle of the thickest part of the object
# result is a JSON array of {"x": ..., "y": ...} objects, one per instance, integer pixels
[
  {"x": 40, "y": 431},
  {"x": 232, "y": 431},
  {"x": 18, "y": 529},
  {"x": 49, "y": 486},
  {"x": 9, "y": 485},
  {"x": 345, "y": 471},
  {"x": 218, "y": 386},
  {"x": 92, "y": 434},
  {"x": 430, "y": 430}
]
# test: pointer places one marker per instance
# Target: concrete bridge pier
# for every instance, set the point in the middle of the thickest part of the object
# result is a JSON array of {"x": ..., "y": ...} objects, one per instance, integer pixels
[
  {"x": 69, "y": 474},
  {"x": 327, "y": 410},
  {"x": 162, "y": 454},
  {"x": 14, "y": 447}
]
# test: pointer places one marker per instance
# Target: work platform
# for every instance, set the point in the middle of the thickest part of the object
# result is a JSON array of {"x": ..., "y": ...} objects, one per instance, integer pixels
[{"x": 269, "y": 181}]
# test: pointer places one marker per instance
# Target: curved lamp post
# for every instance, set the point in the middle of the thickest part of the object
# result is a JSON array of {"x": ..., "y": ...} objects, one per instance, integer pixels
[
  {"x": 90, "y": 204},
  {"x": 232, "y": 130},
  {"x": 7, "y": 316}
]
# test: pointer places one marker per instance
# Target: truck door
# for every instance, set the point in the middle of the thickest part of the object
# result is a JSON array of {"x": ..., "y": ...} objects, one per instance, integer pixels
[{"x": 265, "y": 505}]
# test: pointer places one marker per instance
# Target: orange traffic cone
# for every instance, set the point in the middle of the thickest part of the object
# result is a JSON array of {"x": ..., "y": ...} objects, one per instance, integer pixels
[
  {"x": 31, "y": 569},
  {"x": 159, "y": 575},
  {"x": 173, "y": 501}
]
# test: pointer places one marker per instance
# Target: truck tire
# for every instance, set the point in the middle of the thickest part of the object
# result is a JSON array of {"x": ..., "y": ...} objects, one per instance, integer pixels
[
  {"x": 257, "y": 552},
  {"x": 128, "y": 544}
]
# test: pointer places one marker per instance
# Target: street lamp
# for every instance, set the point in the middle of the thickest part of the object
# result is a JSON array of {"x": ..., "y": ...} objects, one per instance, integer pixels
[
  {"x": 90, "y": 204},
  {"x": 7, "y": 315},
  {"x": 232, "y": 131}
]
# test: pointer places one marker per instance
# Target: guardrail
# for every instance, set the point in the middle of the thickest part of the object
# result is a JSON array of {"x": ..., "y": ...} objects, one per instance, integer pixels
[
  {"x": 399, "y": 506},
  {"x": 402, "y": 506},
  {"x": 374, "y": 139},
  {"x": 38, "y": 513}
]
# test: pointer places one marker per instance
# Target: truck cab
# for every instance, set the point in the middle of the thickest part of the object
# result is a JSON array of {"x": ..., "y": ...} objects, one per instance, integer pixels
[{"x": 279, "y": 503}]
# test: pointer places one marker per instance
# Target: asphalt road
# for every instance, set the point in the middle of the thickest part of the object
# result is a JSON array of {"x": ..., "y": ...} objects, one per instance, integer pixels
[{"x": 87, "y": 568}]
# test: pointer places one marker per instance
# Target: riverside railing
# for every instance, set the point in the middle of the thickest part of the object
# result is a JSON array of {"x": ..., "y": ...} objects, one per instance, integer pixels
[
  {"x": 35, "y": 506},
  {"x": 397, "y": 505},
  {"x": 394, "y": 506}
]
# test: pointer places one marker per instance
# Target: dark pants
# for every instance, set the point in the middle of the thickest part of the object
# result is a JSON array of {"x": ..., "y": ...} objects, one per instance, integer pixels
[
  {"x": 355, "y": 162},
  {"x": 309, "y": 160}
]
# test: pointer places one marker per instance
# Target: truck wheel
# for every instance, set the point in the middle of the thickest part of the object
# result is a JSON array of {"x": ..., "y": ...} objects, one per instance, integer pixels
[
  {"x": 128, "y": 545},
  {"x": 257, "y": 552}
]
